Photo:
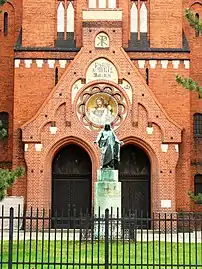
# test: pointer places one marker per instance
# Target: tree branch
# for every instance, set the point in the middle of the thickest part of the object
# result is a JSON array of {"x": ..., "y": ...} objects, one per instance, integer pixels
[
  {"x": 2, "y": 2},
  {"x": 190, "y": 85},
  {"x": 193, "y": 20}
]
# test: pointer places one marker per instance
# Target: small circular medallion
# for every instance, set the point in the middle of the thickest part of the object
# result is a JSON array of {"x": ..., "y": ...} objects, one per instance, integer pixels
[{"x": 101, "y": 108}]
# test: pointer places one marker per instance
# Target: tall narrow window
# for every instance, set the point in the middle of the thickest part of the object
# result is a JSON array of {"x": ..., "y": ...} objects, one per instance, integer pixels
[
  {"x": 3, "y": 125},
  {"x": 197, "y": 125},
  {"x": 143, "y": 18},
  {"x": 197, "y": 30},
  {"x": 111, "y": 3},
  {"x": 102, "y": 4},
  {"x": 70, "y": 18},
  {"x": 60, "y": 21},
  {"x": 56, "y": 75},
  {"x": 5, "y": 24},
  {"x": 133, "y": 18},
  {"x": 92, "y": 3},
  {"x": 197, "y": 184},
  {"x": 147, "y": 76}
]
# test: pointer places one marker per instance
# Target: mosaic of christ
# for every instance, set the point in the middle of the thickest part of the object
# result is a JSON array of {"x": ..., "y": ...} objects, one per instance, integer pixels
[{"x": 101, "y": 108}]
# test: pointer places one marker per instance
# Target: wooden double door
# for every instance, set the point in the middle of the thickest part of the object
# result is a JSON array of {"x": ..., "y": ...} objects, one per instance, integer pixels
[
  {"x": 134, "y": 173},
  {"x": 71, "y": 186}
]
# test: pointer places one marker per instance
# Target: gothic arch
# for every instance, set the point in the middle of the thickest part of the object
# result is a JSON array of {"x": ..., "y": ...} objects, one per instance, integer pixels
[
  {"x": 53, "y": 150},
  {"x": 154, "y": 164},
  {"x": 195, "y": 3},
  {"x": 65, "y": 141}
]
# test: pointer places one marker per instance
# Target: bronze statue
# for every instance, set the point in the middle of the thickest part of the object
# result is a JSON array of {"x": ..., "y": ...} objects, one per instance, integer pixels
[{"x": 109, "y": 144}]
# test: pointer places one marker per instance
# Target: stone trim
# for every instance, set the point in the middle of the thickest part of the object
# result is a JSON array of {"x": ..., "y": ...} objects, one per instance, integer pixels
[
  {"x": 141, "y": 63},
  {"x": 28, "y": 63},
  {"x": 102, "y": 24},
  {"x": 164, "y": 64}
]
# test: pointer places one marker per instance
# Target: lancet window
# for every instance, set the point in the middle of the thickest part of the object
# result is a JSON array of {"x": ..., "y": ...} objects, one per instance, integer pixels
[
  {"x": 139, "y": 17},
  {"x": 102, "y": 3},
  {"x": 197, "y": 19},
  {"x": 197, "y": 184},
  {"x": 197, "y": 125},
  {"x": 65, "y": 19},
  {"x": 5, "y": 24},
  {"x": 3, "y": 125}
]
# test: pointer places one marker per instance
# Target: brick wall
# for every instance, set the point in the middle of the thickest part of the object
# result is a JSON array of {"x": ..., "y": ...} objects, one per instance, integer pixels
[
  {"x": 166, "y": 24},
  {"x": 195, "y": 44},
  {"x": 39, "y": 23},
  {"x": 13, "y": 8}
]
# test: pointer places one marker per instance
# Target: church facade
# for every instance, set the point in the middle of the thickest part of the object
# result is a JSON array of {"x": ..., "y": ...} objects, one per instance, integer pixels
[{"x": 69, "y": 67}]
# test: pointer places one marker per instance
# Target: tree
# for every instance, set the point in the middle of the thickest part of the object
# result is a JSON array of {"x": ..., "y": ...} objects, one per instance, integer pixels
[
  {"x": 2, "y": 2},
  {"x": 193, "y": 20},
  {"x": 188, "y": 83},
  {"x": 7, "y": 178}
]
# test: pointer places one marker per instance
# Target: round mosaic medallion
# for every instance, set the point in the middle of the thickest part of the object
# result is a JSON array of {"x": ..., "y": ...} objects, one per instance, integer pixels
[
  {"x": 99, "y": 105},
  {"x": 101, "y": 108}
]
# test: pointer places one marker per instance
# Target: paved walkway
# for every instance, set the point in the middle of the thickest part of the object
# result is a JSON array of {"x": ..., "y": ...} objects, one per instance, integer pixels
[{"x": 140, "y": 236}]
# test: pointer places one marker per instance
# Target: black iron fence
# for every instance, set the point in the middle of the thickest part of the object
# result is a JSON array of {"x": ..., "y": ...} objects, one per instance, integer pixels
[{"x": 121, "y": 240}]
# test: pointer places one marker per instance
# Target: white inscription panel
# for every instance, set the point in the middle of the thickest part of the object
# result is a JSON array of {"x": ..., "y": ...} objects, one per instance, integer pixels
[
  {"x": 102, "y": 69},
  {"x": 166, "y": 203}
]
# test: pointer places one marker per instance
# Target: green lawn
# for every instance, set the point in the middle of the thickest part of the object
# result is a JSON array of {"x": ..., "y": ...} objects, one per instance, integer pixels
[{"x": 156, "y": 253}]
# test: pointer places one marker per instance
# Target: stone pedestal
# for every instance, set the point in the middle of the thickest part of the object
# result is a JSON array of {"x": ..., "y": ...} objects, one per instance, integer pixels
[{"x": 107, "y": 196}]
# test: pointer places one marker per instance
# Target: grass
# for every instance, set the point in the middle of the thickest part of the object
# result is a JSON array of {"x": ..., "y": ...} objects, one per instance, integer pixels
[{"x": 120, "y": 255}]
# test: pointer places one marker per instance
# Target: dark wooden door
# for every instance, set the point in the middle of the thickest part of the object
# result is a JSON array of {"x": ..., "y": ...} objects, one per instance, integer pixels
[
  {"x": 71, "y": 188},
  {"x": 134, "y": 173}
]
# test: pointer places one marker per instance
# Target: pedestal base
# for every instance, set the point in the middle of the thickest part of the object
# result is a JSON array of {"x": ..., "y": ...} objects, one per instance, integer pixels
[{"x": 107, "y": 196}]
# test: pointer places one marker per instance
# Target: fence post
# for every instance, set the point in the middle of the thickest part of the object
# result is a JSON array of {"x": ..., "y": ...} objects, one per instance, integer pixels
[
  {"x": 106, "y": 238},
  {"x": 10, "y": 242}
]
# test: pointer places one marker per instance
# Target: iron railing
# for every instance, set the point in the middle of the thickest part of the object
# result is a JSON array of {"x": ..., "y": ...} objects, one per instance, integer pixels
[{"x": 121, "y": 240}]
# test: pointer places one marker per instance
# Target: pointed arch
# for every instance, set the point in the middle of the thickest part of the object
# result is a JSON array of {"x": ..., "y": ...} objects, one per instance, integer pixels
[
  {"x": 133, "y": 18},
  {"x": 143, "y": 18},
  {"x": 111, "y": 3},
  {"x": 92, "y": 3},
  {"x": 102, "y": 4},
  {"x": 70, "y": 18},
  {"x": 60, "y": 18}
]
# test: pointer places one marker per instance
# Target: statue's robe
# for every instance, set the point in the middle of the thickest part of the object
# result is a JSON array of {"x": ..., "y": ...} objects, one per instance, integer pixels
[{"x": 110, "y": 146}]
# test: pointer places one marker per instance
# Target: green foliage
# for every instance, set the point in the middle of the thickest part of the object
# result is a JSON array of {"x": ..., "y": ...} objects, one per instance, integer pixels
[
  {"x": 193, "y": 20},
  {"x": 189, "y": 84},
  {"x": 2, "y": 2},
  {"x": 7, "y": 178},
  {"x": 195, "y": 198}
]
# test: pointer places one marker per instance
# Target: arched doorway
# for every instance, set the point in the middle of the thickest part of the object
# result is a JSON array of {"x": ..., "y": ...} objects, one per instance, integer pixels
[
  {"x": 134, "y": 173},
  {"x": 71, "y": 185}
]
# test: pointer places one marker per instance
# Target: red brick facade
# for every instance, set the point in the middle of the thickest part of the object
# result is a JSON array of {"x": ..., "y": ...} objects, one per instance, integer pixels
[{"x": 29, "y": 94}]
